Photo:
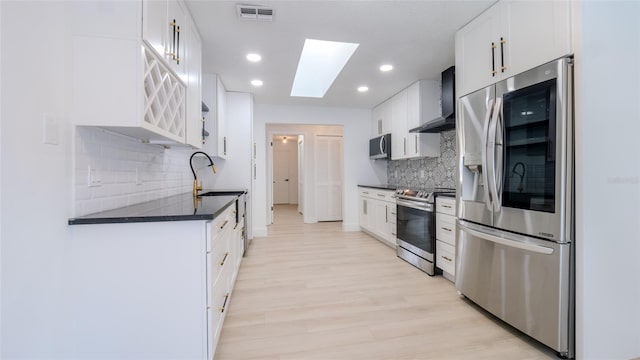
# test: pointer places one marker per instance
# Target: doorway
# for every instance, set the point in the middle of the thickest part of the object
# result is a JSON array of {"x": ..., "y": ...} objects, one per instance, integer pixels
[
  {"x": 285, "y": 170},
  {"x": 319, "y": 153}
]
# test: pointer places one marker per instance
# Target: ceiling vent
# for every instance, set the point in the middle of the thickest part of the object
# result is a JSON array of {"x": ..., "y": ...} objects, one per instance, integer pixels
[{"x": 251, "y": 12}]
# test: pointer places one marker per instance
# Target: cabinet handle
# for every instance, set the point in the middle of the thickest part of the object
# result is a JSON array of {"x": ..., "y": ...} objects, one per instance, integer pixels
[
  {"x": 365, "y": 192},
  {"x": 172, "y": 50},
  {"x": 224, "y": 304},
  {"x": 254, "y": 150},
  {"x": 493, "y": 59},
  {"x": 178, "y": 46},
  {"x": 381, "y": 195},
  {"x": 224, "y": 259},
  {"x": 405, "y": 146},
  {"x": 444, "y": 228},
  {"x": 446, "y": 206},
  {"x": 394, "y": 234},
  {"x": 254, "y": 172},
  {"x": 417, "y": 143},
  {"x": 502, "y": 41},
  {"x": 235, "y": 227},
  {"x": 386, "y": 214},
  {"x": 447, "y": 258},
  {"x": 225, "y": 145},
  {"x": 224, "y": 224}
]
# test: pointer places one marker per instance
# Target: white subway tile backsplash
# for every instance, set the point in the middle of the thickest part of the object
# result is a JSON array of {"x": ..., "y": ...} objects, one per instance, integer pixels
[{"x": 162, "y": 171}]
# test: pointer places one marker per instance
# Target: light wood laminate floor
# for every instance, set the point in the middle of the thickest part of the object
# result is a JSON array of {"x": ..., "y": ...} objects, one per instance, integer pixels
[{"x": 312, "y": 291}]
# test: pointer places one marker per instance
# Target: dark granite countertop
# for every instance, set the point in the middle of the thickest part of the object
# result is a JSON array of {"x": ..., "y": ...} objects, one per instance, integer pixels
[
  {"x": 383, "y": 187},
  {"x": 181, "y": 207}
]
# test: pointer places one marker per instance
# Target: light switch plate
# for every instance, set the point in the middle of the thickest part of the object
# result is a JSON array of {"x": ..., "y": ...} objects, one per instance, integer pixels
[{"x": 49, "y": 130}]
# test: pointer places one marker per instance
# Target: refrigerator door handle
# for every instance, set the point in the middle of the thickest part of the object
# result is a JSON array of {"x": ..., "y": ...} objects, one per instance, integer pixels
[
  {"x": 506, "y": 241},
  {"x": 485, "y": 166},
  {"x": 494, "y": 155}
]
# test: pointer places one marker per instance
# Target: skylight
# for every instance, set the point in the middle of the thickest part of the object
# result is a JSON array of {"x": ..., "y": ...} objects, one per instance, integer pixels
[{"x": 320, "y": 63}]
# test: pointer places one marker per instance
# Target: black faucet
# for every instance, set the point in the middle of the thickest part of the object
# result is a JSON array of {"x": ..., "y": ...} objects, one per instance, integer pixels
[{"x": 197, "y": 187}]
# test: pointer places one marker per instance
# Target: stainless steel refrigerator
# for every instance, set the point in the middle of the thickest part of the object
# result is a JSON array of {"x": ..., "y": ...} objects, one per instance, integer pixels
[{"x": 515, "y": 202}]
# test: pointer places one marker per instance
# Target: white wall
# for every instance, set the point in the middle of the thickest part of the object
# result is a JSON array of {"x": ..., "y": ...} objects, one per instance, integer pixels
[
  {"x": 36, "y": 178},
  {"x": 357, "y": 166},
  {"x": 608, "y": 180}
]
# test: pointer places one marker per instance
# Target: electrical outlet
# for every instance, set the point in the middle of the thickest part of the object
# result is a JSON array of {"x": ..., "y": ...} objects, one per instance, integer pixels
[{"x": 94, "y": 179}]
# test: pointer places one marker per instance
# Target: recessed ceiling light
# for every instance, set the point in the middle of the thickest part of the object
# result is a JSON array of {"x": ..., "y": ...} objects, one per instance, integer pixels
[
  {"x": 386, "y": 67},
  {"x": 320, "y": 63},
  {"x": 256, "y": 82},
  {"x": 363, "y": 89},
  {"x": 254, "y": 57}
]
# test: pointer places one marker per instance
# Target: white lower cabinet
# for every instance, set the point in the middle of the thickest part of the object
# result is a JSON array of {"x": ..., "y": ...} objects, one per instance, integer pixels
[
  {"x": 152, "y": 289},
  {"x": 446, "y": 236},
  {"x": 378, "y": 214}
]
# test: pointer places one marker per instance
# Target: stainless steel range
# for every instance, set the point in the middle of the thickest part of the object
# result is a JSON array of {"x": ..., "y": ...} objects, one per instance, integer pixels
[{"x": 416, "y": 239}]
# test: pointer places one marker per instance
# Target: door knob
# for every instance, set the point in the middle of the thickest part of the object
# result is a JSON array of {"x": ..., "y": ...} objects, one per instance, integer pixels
[{"x": 286, "y": 179}]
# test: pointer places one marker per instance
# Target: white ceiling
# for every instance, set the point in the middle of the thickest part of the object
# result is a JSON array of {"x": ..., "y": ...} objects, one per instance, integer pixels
[{"x": 417, "y": 37}]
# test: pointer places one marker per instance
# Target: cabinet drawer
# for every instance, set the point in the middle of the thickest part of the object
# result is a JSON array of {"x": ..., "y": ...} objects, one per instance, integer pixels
[
  {"x": 446, "y": 205},
  {"x": 446, "y": 257},
  {"x": 365, "y": 192},
  {"x": 446, "y": 228},
  {"x": 384, "y": 195},
  {"x": 219, "y": 224}
]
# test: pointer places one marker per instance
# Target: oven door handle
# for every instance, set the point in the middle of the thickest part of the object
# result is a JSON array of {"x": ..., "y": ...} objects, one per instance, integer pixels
[
  {"x": 506, "y": 241},
  {"x": 414, "y": 205}
]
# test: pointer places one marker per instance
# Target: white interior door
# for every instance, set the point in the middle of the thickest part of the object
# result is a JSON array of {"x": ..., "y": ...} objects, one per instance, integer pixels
[
  {"x": 328, "y": 169},
  {"x": 281, "y": 178}
]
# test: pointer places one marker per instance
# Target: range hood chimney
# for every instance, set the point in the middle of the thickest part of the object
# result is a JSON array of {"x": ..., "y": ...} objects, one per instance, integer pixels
[{"x": 448, "y": 119}]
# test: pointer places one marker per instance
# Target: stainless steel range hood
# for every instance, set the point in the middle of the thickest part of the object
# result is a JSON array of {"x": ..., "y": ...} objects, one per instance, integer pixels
[{"x": 448, "y": 119}]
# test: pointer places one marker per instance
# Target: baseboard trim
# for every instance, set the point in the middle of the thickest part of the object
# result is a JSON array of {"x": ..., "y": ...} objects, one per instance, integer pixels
[
  {"x": 349, "y": 227},
  {"x": 260, "y": 232}
]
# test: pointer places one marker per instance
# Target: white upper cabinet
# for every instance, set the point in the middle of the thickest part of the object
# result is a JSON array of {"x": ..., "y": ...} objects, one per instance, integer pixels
[
  {"x": 422, "y": 105},
  {"x": 121, "y": 81},
  {"x": 154, "y": 25},
  {"x": 508, "y": 38},
  {"x": 164, "y": 27},
  {"x": 175, "y": 53},
  {"x": 214, "y": 96},
  {"x": 382, "y": 119},
  {"x": 550, "y": 40},
  {"x": 409, "y": 109},
  {"x": 399, "y": 125}
]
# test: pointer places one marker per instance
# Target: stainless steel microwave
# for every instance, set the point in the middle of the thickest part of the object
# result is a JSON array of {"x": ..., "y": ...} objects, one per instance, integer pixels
[{"x": 380, "y": 147}]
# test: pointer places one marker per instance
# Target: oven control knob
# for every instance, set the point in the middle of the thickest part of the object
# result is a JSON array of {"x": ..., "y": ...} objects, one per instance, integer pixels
[{"x": 420, "y": 194}]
